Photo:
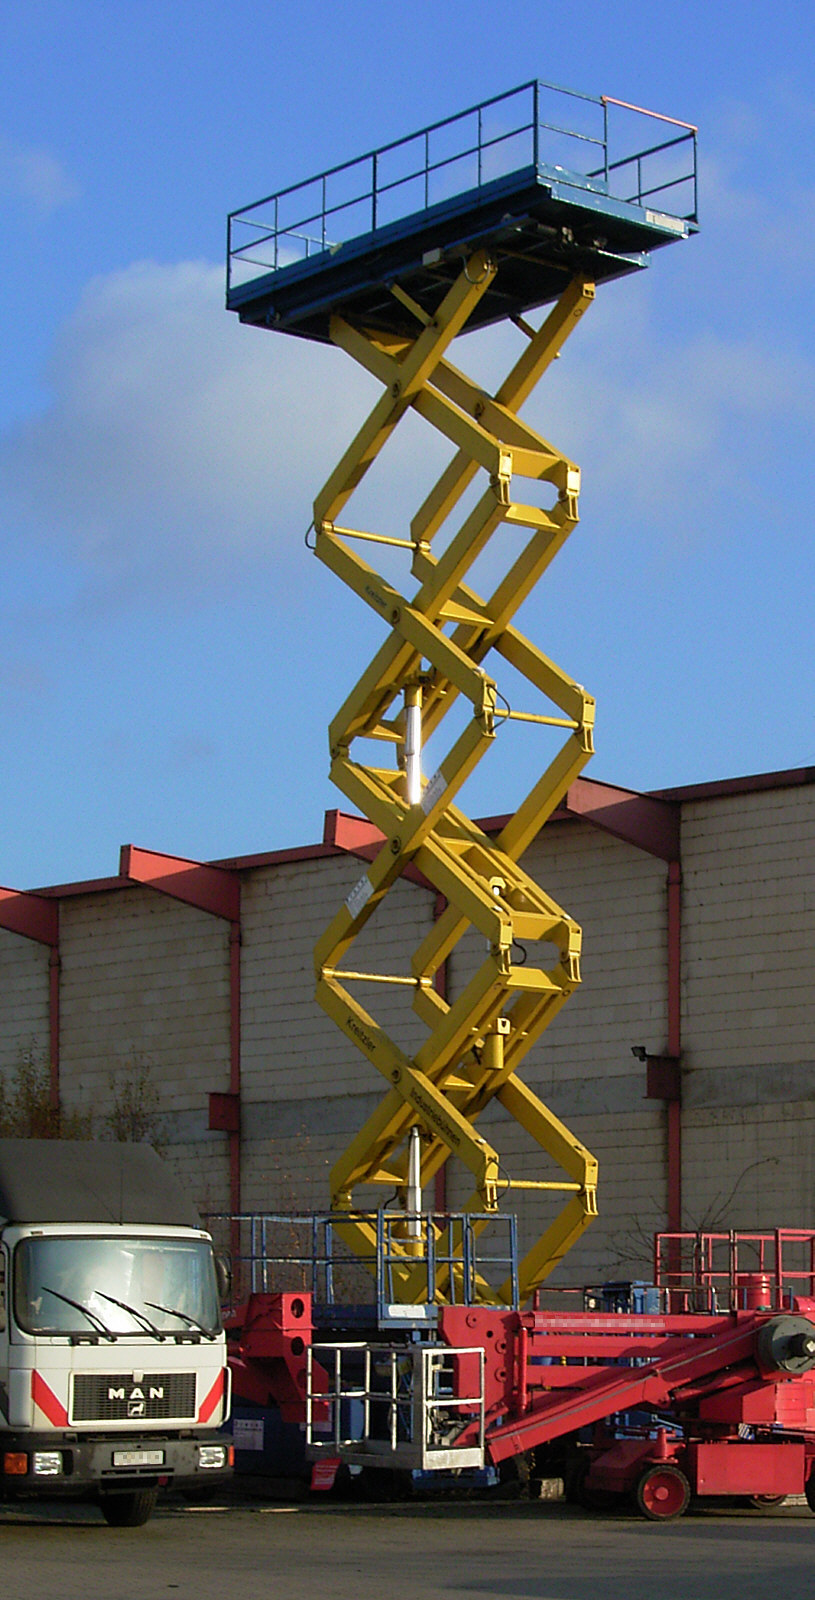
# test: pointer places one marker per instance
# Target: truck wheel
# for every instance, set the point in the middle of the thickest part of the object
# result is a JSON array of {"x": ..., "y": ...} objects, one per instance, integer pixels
[
  {"x": 809, "y": 1491},
  {"x": 128, "y": 1510},
  {"x": 663, "y": 1493}
]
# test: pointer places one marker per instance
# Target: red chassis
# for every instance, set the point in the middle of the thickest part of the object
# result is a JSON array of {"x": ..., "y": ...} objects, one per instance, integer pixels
[
  {"x": 728, "y": 1398},
  {"x": 658, "y": 1405}
]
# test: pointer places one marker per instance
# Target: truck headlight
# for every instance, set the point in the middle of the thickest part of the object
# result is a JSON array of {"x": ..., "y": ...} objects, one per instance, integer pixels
[
  {"x": 213, "y": 1455},
  {"x": 47, "y": 1463}
]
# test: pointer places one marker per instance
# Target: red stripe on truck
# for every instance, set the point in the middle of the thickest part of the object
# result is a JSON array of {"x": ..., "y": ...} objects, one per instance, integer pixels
[
  {"x": 52, "y": 1408},
  {"x": 213, "y": 1399}
]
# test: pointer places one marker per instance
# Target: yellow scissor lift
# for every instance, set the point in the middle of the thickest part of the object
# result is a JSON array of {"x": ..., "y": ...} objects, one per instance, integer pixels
[{"x": 393, "y": 293}]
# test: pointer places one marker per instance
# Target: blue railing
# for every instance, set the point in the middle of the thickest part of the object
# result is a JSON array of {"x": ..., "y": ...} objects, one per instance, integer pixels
[
  {"x": 273, "y": 1251},
  {"x": 538, "y": 125}
]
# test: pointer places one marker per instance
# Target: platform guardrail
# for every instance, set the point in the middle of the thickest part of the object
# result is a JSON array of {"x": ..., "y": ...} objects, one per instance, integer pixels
[{"x": 588, "y": 141}]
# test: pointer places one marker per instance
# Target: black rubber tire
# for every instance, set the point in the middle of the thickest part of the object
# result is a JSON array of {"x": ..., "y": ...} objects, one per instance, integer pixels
[
  {"x": 809, "y": 1491},
  {"x": 765, "y": 1502},
  {"x": 662, "y": 1493},
  {"x": 129, "y": 1510}
]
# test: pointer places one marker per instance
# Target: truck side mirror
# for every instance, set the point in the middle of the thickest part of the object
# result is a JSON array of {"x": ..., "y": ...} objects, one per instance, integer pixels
[{"x": 223, "y": 1277}]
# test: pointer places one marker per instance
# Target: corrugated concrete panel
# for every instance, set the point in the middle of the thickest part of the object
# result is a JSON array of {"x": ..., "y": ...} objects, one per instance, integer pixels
[
  {"x": 24, "y": 1017},
  {"x": 749, "y": 954},
  {"x": 144, "y": 986},
  {"x": 145, "y": 983},
  {"x": 290, "y": 1047}
]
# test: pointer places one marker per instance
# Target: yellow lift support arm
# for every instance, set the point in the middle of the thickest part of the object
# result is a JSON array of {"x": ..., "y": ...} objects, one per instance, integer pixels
[{"x": 439, "y": 639}]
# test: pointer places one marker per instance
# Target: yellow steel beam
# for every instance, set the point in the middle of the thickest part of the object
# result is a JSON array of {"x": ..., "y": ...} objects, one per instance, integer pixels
[
  {"x": 458, "y": 305},
  {"x": 433, "y": 657}
]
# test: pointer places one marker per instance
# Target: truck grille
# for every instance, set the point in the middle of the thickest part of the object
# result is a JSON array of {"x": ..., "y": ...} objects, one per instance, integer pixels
[{"x": 116, "y": 1397}]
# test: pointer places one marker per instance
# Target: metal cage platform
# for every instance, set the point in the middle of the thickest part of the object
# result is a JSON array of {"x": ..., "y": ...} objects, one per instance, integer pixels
[{"x": 551, "y": 182}]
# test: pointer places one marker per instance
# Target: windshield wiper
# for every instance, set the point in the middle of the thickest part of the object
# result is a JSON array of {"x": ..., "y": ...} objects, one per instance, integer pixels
[
  {"x": 138, "y": 1316},
  {"x": 94, "y": 1320},
  {"x": 192, "y": 1322}
]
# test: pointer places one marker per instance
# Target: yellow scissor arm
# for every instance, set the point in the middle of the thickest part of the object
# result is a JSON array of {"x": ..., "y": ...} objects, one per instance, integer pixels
[{"x": 434, "y": 660}]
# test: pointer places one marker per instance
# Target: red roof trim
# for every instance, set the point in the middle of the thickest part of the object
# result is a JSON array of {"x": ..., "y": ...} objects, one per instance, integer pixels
[
  {"x": 719, "y": 789},
  {"x": 208, "y": 888},
  {"x": 30, "y": 915},
  {"x": 278, "y": 858},
  {"x": 64, "y": 891},
  {"x": 641, "y": 820}
]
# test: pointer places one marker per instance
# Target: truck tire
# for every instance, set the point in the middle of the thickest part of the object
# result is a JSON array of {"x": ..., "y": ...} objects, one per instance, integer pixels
[{"x": 128, "y": 1510}]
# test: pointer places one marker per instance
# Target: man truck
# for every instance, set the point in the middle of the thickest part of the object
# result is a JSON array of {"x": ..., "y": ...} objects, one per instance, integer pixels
[{"x": 113, "y": 1375}]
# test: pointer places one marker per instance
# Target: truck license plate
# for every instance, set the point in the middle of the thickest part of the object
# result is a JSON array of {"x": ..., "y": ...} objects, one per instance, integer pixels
[{"x": 138, "y": 1458}]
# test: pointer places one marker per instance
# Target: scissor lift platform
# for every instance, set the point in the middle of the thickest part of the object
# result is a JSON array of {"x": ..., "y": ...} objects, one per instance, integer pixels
[
  {"x": 487, "y": 178},
  {"x": 529, "y": 197}
]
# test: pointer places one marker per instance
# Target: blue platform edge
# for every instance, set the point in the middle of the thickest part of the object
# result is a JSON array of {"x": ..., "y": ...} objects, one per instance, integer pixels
[{"x": 543, "y": 222}]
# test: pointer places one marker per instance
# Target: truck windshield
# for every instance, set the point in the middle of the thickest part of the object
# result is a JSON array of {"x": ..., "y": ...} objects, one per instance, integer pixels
[{"x": 85, "y": 1285}]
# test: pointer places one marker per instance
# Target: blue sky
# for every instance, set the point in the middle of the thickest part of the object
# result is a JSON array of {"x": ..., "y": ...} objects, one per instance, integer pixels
[{"x": 170, "y": 655}]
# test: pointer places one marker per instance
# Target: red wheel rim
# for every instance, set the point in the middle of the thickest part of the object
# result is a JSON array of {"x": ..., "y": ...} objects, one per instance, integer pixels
[{"x": 663, "y": 1493}]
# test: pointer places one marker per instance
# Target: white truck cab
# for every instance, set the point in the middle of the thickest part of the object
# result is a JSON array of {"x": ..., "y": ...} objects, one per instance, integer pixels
[{"x": 113, "y": 1375}]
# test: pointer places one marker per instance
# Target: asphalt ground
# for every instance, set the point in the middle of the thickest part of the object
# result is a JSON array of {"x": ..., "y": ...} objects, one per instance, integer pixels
[{"x": 321, "y": 1550}]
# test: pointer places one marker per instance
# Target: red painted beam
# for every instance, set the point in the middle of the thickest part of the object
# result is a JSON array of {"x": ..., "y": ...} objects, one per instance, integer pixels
[
  {"x": 212, "y": 889},
  {"x": 54, "y": 1024},
  {"x": 674, "y": 958},
  {"x": 30, "y": 915},
  {"x": 649, "y": 825},
  {"x": 234, "y": 1135},
  {"x": 663, "y": 1078},
  {"x": 674, "y": 1107},
  {"x": 606, "y": 1389},
  {"x": 346, "y": 832},
  {"x": 441, "y": 985},
  {"x": 224, "y": 1113}
]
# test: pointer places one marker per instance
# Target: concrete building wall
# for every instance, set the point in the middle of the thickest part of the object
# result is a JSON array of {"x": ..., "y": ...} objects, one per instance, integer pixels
[
  {"x": 749, "y": 1002},
  {"x": 144, "y": 982},
  {"x": 24, "y": 1016},
  {"x": 144, "y": 1015},
  {"x": 145, "y": 989},
  {"x": 582, "y": 1066},
  {"x": 306, "y": 1090}
]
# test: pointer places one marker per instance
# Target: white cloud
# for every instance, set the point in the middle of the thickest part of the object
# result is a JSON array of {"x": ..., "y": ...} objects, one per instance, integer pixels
[
  {"x": 658, "y": 407},
  {"x": 34, "y": 176},
  {"x": 174, "y": 435},
  {"x": 768, "y": 236},
  {"x": 180, "y": 447}
]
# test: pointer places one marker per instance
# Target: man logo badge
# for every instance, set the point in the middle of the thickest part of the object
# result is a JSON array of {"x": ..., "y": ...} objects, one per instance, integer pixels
[{"x": 136, "y": 1400}]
